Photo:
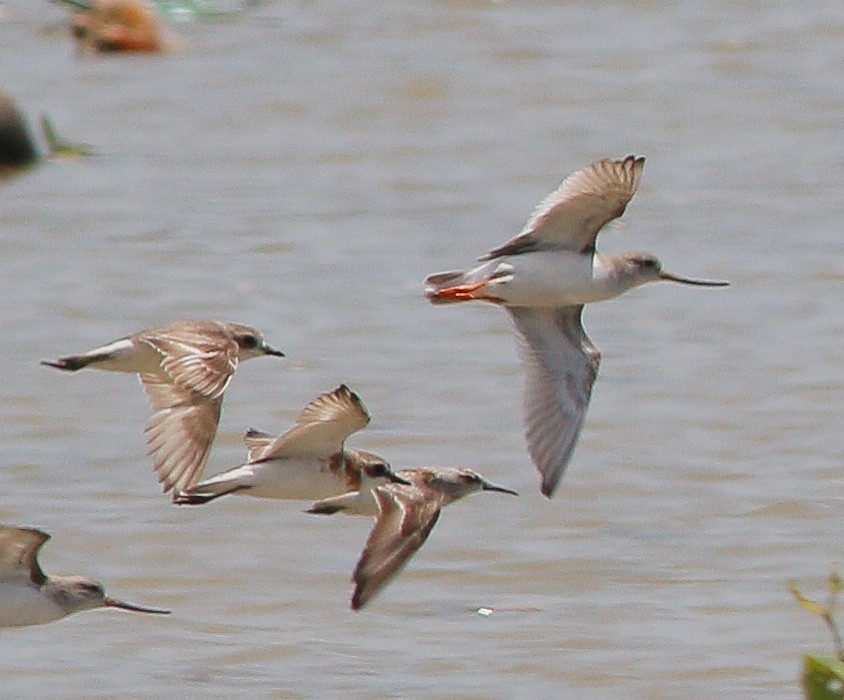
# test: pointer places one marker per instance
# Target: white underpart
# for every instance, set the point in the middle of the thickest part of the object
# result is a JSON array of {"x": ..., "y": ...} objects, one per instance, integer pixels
[
  {"x": 294, "y": 478},
  {"x": 26, "y": 605},
  {"x": 553, "y": 279}
]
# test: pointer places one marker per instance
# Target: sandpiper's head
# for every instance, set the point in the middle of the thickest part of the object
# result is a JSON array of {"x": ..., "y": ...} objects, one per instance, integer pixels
[
  {"x": 251, "y": 343},
  {"x": 644, "y": 267},
  {"x": 375, "y": 470},
  {"x": 78, "y": 593},
  {"x": 457, "y": 483}
]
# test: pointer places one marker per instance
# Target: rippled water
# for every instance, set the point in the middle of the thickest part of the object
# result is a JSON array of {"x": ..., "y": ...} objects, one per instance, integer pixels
[{"x": 301, "y": 168}]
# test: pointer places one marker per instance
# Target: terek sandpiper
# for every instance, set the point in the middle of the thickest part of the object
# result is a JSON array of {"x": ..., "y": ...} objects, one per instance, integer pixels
[
  {"x": 543, "y": 277},
  {"x": 307, "y": 462},
  {"x": 29, "y": 597},
  {"x": 405, "y": 516},
  {"x": 184, "y": 367}
]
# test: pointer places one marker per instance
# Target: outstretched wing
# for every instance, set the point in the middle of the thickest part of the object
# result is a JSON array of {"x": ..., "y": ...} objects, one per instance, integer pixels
[
  {"x": 562, "y": 364},
  {"x": 405, "y": 519},
  {"x": 573, "y": 214},
  {"x": 19, "y": 554},
  {"x": 322, "y": 427},
  {"x": 180, "y": 431},
  {"x": 200, "y": 358},
  {"x": 256, "y": 441}
]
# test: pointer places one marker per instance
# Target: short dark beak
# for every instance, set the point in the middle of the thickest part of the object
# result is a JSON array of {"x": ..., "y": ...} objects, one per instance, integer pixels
[
  {"x": 270, "y": 350},
  {"x": 396, "y": 479},
  {"x": 113, "y": 603},
  {"x": 667, "y": 276},
  {"x": 500, "y": 489}
]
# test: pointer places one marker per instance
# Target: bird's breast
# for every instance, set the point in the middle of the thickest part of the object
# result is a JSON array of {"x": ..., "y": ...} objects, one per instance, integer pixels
[{"x": 22, "y": 605}]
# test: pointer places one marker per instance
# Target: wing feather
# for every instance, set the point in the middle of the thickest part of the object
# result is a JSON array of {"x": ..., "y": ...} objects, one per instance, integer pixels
[
  {"x": 321, "y": 429},
  {"x": 180, "y": 432},
  {"x": 573, "y": 214},
  {"x": 19, "y": 554},
  {"x": 562, "y": 364},
  {"x": 405, "y": 519},
  {"x": 201, "y": 359}
]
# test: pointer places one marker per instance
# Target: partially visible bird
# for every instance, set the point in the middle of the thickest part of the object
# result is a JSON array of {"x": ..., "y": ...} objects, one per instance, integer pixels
[
  {"x": 307, "y": 462},
  {"x": 29, "y": 597},
  {"x": 17, "y": 147},
  {"x": 405, "y": 515},
  {"x": 184, "y": 367},
  {"x": 118, "y": 25},
  {"x": 543, "y": 277}
]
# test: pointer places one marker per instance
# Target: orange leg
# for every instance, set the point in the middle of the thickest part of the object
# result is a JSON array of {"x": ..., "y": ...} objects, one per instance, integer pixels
[{"x": 465, "y": 292}]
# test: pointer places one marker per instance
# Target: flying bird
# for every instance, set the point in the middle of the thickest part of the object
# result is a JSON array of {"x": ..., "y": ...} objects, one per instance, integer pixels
[
  {"x": 29, "y": 597},
  {"x": 405, "y": 515},
  {"x": 307, "y": 462},
  {"x": 184, "y": 367},
  {"x": 543, "y": 277}
]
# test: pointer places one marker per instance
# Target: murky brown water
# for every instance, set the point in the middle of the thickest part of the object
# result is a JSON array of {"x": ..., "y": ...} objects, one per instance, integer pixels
[{"x": 301, "y": 169}]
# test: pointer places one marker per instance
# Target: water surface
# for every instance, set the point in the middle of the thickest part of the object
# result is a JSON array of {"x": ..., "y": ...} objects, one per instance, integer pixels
[{"x": 301, "y": 169}]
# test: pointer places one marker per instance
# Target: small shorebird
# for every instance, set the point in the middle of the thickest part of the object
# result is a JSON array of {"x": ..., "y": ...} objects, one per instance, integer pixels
[
  {"x": 543, "y": 277},
  {"x": 185, "y": 368},
  {"x": 307, "y": 462},
  {"x": 405, "y": 515},
  {"x": 29, "y": 597}
]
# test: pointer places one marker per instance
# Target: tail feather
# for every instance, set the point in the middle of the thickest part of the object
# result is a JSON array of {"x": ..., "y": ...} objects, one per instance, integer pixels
[
  {"x": 71, "y": 363},
  {"x": 321, "y": 508},
  {"x": 463, "y": 285},
  {"x": 224, "y": 484},
  {"x": 197, "y": 498},
  {"x": 438, "y": 282}
]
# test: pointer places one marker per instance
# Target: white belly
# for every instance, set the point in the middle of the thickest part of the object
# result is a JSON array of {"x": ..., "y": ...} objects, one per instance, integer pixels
[
  {"x": 125, "y": 356},
  {"x": 551, "y": 279},
  {"x": 298, "y": 479},
  {"x": 22, "y": 605}
]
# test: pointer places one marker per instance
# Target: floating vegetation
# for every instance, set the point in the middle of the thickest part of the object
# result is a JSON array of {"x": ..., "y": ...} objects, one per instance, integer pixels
[{"x": 823, "y": 677}]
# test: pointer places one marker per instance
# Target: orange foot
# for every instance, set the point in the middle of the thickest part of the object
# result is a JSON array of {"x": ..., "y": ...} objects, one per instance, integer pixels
[{"x": 462, "y": 292}]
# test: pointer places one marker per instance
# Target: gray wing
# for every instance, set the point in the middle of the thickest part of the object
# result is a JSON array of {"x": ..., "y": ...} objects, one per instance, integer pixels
[
  {"x": 562, "y": 364},
  {"x": 573, "y": 214},
  {"x": 19, "y": 554},
  {"x": 405, "y": 519}
]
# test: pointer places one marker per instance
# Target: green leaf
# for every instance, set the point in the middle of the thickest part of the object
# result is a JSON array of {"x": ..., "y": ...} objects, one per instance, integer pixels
[{"x": 823, "y": 678}]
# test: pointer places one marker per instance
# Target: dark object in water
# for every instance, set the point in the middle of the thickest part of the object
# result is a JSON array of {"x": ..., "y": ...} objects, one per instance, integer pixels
[{"x": 17, "y": 149}]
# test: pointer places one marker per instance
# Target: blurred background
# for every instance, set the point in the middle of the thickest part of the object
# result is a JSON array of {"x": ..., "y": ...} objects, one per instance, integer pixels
[{"x": 300, "y": 167}]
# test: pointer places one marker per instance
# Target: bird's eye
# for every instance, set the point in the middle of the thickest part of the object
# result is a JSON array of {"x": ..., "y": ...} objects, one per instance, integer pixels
[
  {"x": 247, "y": 341},
  {"x": 380, "y": 470}
]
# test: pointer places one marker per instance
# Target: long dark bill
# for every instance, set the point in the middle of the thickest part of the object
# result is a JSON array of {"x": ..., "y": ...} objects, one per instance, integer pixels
[
  {"x": 113, "y": 603},
  {"x": 688, "y": 280}
]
